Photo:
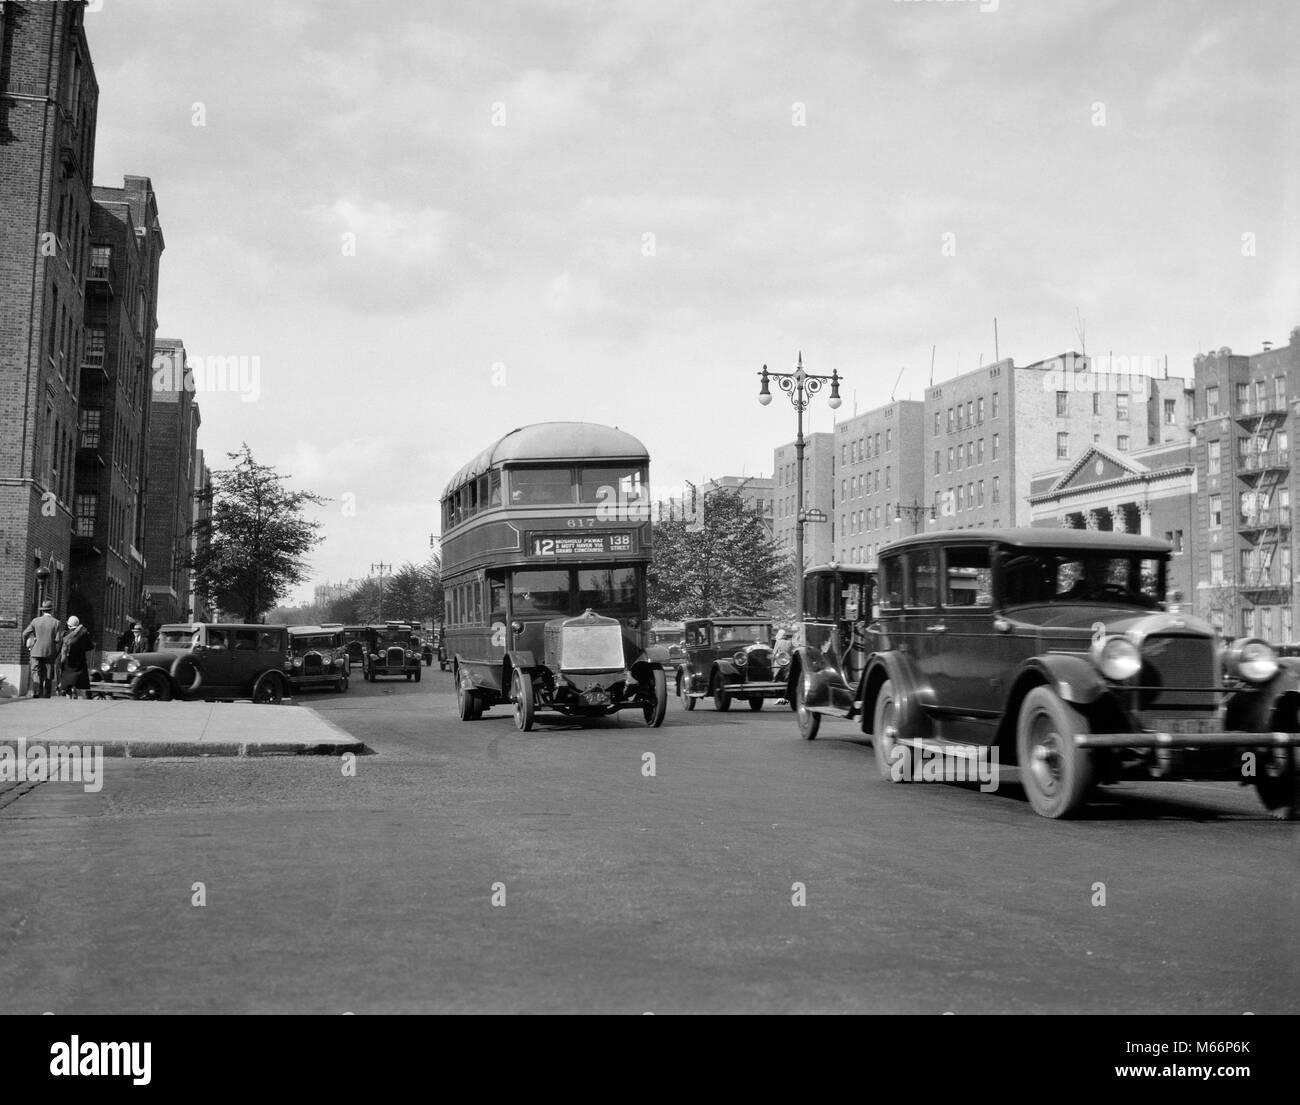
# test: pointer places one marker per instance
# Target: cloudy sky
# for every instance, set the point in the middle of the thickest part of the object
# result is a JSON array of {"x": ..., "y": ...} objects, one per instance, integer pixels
[{"x": 433, "y": 222}]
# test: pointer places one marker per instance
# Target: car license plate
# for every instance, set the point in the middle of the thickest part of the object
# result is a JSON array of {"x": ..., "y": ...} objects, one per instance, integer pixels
[{"x": 1183, "y": 724}]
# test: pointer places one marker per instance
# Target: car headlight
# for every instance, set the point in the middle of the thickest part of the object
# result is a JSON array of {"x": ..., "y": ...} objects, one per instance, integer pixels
[
  {"x": 106, "y": 666},
  {"x": 1252, "y": 660},
  {"x": 782, "y": 660},
  {"x": 740, "y": 659},
  {"x": 297, "y": 661},
  {"x": 374, "y": 656},
  {"x": 1118, "y": 658},
  {"x": 133, "y": 665}
]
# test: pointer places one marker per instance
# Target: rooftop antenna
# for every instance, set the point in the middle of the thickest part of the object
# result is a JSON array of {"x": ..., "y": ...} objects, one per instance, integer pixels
[
  {"x": 1081, "y": 331},
  {"x": 996, "y": 358},
  {"x": 932, "y": 352},
  {"x": 895, "y": 387}
]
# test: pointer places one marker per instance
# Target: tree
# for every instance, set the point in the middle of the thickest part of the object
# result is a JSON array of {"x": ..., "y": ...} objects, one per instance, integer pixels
[
  {"x": 413, "y": 593},
  {"x": 252, "y": 548},
  {"x": 729, "y": 566}
]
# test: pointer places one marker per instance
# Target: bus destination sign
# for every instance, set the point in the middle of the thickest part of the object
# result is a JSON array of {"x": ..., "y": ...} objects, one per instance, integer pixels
[{"x": 580, "y": 544}]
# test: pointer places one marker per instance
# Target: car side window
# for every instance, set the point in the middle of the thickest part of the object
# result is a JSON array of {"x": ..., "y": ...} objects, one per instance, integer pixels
[
  {"x": 216, "y": 638},
  {"x": 967, "y": 578},
  {"x": 921, "y": 578},
  {"x": 891, "y": 583},
  {"x": 269, "y": 642},
  {"x": 246, "y": 640}
]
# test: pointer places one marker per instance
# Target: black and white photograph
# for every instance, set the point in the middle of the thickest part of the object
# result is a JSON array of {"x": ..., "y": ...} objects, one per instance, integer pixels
[{"x": 651, "y": 507}]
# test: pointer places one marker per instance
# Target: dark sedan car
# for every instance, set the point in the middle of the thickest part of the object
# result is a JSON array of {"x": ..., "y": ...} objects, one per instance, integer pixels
[
  {"x": 729, "y": 658},
  {"x": 1054, "y": 650}
]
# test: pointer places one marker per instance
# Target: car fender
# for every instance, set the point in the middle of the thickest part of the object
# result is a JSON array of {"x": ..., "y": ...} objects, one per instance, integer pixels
[
  {"x": 644, "y": 667},
  {"x": 1075, "y": 678},
  {"x": 726, "y": 671},
  {"x": 912, "y": 693},
  {"x": 1254, "y": 710},
  {"x": 805, "y": 668}
]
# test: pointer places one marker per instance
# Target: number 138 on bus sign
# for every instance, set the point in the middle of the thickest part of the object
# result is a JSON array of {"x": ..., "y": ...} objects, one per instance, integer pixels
[{"x": 568, "y": 544}]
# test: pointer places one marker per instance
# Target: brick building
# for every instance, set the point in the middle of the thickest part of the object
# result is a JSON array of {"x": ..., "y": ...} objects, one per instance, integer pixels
[
  {"x": 202, "y": 514},
  {"x": 121, "y": 321},
  {"x": 1246, "y": 414},
  {"x": 1150, "y": 491},
  {"x": 48, "y": 104},
  {"x": 988, "y": 432},
  {"x": 171, "y": 449},
  {"x": 818, "y": 492},
  {"x": 878, "y": 493}
]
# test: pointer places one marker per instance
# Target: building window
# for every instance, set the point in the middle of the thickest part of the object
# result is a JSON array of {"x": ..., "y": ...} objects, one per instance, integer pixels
[
  {"x": 979, "y": 410},
  {"x": 1266, "y": 622},
  {"x": 949, "y": 458},
  {"x": 1284, "y": 568},
  {"x": 1216, "y": 512},
  {"x": 1212, "y": 402},
  {"x": 1286, "y": 625},
  {"x": 970, "y": 496},
  {"x": 970, "y": 454},
  {"x": 90, "y": 419},
  {"x": 981, "y": 493},
  {"x": 1216, "y": 568},
  {"x": 979, "y": 452},
  {"x": 1243, "y": 398},
  {"x": 94, "y": 355},
  {"x": 1261, "y": 396},
  {"x": 889, "y": 440},
  {"x": 888, "y": 471},
  {"x": 960, "y": 422},
  {"x": 1121, "y": 443},
  {"x": 1175, "y": 538},
  {"x": 936, "y": 462},
  {"x": 997, "y": 496},
  {"x": 1062, "y": 446},
  {"x": 87, "y": 508},
  {"x": 960, "y": 491},
  {"x": 1062, "y": 404},
  {"x": 1096, "y": 402},
  {"x": 1213, "y": 462},
  {"x": 101, "y": 257},
  {"x": 937, "y": 422},
  {"x": 970, "y": 412},
  {"x": 1121, "y": 406},
  {"x": 995, "y": 446},
  {"x": 995, "y": 405},
  {"x": 950, "y": 421},
  {"x": 1248, "y": 622},
  {"x": 1171, "y": 412},
  {"x": 1279, "y": 392}
]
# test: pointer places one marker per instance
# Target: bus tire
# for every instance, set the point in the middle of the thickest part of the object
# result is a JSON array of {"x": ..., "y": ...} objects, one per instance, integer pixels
[
  {"x": 654, "y": 714},
  {"x": 521, "y": 694},
  {"x": 468, "y": 704}
]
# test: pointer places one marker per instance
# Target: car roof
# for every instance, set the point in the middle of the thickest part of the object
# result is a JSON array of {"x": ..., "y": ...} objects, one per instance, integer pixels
[
  {"x": 1035, "y": 537},
  {"x": 730, "y": 621},
  {"x": 305, "y": 630},
  {"x": 190, "y": 627}
]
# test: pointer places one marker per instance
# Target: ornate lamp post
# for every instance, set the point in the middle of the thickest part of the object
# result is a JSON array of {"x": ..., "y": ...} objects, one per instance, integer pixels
[
  {"x": 381, "y": 567},
  {"x": 42, "y": 582},
  {"x": 914, "y": 513},
  {"x": 800, "y": 386}
]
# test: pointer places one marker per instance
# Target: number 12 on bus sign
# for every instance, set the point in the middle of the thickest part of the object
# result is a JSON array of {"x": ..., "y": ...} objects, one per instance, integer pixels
[{"x": 569, "y": 544}]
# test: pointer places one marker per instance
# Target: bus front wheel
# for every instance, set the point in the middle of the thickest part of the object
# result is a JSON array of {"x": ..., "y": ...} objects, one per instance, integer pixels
[
  {"x": 654, "y": 713},
  {"x": 522, "y": 693}
]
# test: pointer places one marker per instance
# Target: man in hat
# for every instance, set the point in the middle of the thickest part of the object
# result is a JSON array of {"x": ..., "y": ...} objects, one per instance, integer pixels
[
  {"x": 137, "y": 642},
  {"x": 782, "y": 647},
  {"x": 43, "y": 630}
]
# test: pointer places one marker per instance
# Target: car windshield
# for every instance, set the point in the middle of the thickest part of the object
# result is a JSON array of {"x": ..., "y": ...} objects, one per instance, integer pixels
[
  {"x": 319, "y": 640},
  {"x": 394, "y": 637},
  {"x": 176, "y": 640},
  {"x": 730, "y": 634},
  {"x": 1073, "y": 576}
]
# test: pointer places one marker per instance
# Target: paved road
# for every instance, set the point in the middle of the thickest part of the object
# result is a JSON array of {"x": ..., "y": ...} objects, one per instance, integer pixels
[{"x": 625, "y": 893}]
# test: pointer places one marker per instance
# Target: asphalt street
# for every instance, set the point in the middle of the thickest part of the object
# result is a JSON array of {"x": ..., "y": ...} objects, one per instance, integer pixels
[{"x": 466, "y": 867}]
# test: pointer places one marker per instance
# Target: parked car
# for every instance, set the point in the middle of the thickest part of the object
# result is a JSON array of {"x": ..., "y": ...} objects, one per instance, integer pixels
[
  {"x": 729, "y": 658},
  {"x": 319, "y": 657},
  {"x": 392, "y": 649},
  {"x": 827, "y": 669},
  {"x": 203, "y": 660},
  {"x": 1054, "y": 649}
]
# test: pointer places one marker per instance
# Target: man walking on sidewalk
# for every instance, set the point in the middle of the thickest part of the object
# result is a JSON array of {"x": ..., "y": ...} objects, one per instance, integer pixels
[{"x": 46, "y": 638}]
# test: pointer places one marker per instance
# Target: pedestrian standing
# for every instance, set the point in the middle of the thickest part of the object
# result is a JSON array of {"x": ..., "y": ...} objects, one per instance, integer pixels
[
  {"x": 75, "y": 672},
  {"x": 46, "y": 637},
  {"x": 138, "y": 642}
]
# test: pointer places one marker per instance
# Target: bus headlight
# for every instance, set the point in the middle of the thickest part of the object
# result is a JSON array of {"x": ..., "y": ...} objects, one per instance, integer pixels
[
  {"x": 1118, "y": 658},
  {"x": 1251, "y": 659}
]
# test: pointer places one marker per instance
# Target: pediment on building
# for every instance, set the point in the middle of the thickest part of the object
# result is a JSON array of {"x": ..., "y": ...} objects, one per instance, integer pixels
[{"x": 1098, "y": 464}]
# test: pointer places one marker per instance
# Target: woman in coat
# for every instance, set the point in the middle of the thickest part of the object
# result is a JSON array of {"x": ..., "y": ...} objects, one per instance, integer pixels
[{"x": 76, "y": 670}]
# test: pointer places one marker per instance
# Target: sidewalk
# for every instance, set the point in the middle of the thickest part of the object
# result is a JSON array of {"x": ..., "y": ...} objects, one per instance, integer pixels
[{"x": 135, "y": 729}]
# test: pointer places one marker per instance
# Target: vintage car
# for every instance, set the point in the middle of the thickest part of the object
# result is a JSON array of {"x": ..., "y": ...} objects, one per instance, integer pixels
[
  {"x": 730, "y": 658},
  {"x": 671, "y": 637},
  {"x": 1053, "y": 650},
  {"x": 392, "y": 649},
  {"x": 319, "y": 657},
  {"x": 826, "y": 670},
  {"x": 203, "y": 660},
  {"x": 588, "y": 669},
  {"x": 354, "y": 640}
]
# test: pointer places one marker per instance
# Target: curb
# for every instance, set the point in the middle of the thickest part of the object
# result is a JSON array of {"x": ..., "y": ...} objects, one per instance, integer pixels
[{"x": 141, "y": 750}]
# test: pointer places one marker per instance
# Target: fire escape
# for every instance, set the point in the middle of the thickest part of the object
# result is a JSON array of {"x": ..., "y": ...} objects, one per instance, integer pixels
[{"x": 1265, "y": 522}]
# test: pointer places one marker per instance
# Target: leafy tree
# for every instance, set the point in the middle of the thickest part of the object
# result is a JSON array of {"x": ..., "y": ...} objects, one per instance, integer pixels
[
  {"x": 729, "y": 566},
  {"x": 412, "y": 593},
  {"x": 253, "y": 547}
]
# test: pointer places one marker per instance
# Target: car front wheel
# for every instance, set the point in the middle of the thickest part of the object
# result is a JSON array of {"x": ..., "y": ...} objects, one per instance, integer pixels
[
  {"x": 721, "y": 700},
  {"x": 891, "y": 757},
  {"x": 1277, "y": 782},
  {"x": 152, "y": 686},
  {"x": 808, "y": 721},
  {"x": 1055, "y": 772}
]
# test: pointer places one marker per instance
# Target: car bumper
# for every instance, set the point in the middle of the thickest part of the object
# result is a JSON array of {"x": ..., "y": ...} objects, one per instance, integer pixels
[
  {"x": 767, "y": 688},
  {"x": 1228, "y": 739}
]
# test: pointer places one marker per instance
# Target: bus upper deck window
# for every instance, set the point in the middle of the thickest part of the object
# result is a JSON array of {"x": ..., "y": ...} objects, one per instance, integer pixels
[
  {"x": 494, "y": 493},
  {"x": 541, "y": 485}
]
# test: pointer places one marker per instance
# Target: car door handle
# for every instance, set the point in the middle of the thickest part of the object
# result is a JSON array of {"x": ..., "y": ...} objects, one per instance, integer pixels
[{"x": 940, "y": 628}]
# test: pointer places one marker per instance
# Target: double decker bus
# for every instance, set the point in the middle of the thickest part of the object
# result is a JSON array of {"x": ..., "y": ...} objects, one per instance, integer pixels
[{"x": 545, "y": 548}]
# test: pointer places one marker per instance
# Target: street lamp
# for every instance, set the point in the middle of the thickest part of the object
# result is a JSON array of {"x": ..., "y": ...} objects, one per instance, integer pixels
[
  {"x": 800, "y": 386},
  {"x": 914, "y": 513},
  {"x": 42, "y": 582}
]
